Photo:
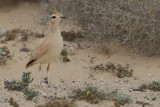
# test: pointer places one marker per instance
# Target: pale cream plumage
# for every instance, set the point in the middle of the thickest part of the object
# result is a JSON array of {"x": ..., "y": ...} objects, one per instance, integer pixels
[{"x": 51, "y": 47}]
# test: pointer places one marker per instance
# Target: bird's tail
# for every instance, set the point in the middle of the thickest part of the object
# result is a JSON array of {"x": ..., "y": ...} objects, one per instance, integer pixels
[{"x": 30, "y": 63}]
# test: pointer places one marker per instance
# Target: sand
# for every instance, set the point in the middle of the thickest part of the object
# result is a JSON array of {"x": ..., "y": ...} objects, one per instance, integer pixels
[{"x": 25, "y": 15}]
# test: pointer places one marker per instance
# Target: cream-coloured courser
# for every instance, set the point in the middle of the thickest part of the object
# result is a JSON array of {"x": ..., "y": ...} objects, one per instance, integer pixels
[{"x": 51, "y": 47}]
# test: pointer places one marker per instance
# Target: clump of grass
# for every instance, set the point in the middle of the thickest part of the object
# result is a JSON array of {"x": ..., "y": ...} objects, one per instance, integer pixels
[
  {"x": 65, "y": 55},
  {"x": 29, "y": 93},
  {"x": 118, "y": 70},
  {"x": 60, "y": 103},
  {"x": 13, "y": 103},
  {"x": 16, "y": 85},
  {"x": 120, "y": 99},
  {"x": 22, "y": 85},
  {"x": 90, "y": 94},
  {"x": 155, "y": 86},
  {"x": 4, "y": 54},
  {"x": 45, "y": 80}
]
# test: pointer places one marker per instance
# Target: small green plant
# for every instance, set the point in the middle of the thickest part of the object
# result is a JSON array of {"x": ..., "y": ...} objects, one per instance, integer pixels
[
  {"x": 60, "y": 103},
  {"x": 4, "y": 54},
  {"x": 45, "y": 80},
  {"x": 65, "y": 55},
  {"x": 118, "y": 70},
  {"x": 90, "y": 94},
  {"x": 29, "y": 93},
  {"x": 120, "y": 99},
  {"x": 19, "y": 85},
  {"x": 155, "y": 86}
]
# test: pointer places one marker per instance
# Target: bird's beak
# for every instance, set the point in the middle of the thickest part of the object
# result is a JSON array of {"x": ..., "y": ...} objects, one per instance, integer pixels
[{"x": 63, "y": 17}]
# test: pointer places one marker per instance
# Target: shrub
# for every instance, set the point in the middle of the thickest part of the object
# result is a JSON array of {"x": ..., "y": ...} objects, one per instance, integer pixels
[{"x": 131, "y": 22}]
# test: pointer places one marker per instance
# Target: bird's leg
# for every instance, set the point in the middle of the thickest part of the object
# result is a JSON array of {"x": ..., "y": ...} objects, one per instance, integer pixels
[
  {"x": 40, "y": 67},
  {"x": 48, "y": 69},
  {"x": 39, "y": 74}
]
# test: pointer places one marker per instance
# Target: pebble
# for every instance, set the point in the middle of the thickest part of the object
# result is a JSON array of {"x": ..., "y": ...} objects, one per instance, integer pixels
[
  {"x": 15, "y": 19},
  {"x": 149, "y": 75},
  {"x": 135, "y": 78},
  {"x": 10, "y": 21},
  {"x": 44, "y": 94},
  {"x": 102, "y": 80},
  {"x": 71, "y": 50},
  {"x": 79, "y": 80},
  {"x": 102, "y": 83},
  {"x": 85, "y": 105},
  {"x": 43, "y": 85},
  {"x": 117, "y": 80},
  {"x": 56, "y": 86},
  {"x": 3, "y": 30},
  {"x": 94, "y": 78}
]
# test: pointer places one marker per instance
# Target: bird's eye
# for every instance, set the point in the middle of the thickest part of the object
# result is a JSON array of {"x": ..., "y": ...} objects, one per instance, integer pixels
[{"x": 53, "y": 17}]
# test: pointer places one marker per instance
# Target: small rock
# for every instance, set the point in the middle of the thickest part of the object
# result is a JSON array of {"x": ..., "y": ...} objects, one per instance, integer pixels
[
  {"x": 91, "y": 75},
  {"x": 43, "y": 85},
  {"x": 130, "y": 89},
  {"x": 44, "y": 94},
  {"x": 15, "y": 19},
  {"x": 122, "y": 88},
  {"x": 135, "y": 78},
  {"x": 102, "y": 83},
  {"x": 149, "y": 75},
  {"x": 71, "y": 50},
  {"x": 94, "y": 78},
  {"x": 10, "y": 21},
  {"x": 102, "y": 80},
  {"x": 3, "y": 30},
  {"x": 79, "y": 80},
  {"x": 85, "y": 105},
  {"x": 118, "y": 80},
  {"x": 56, "y": 86}
]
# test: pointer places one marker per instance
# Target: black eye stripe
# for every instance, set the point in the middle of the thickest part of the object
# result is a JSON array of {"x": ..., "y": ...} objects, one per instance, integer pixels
[{"x": 53, "y": 17}]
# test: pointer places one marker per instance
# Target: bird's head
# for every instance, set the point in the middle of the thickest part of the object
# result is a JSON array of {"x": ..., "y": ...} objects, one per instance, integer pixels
[{"x": 56, "y": 18}]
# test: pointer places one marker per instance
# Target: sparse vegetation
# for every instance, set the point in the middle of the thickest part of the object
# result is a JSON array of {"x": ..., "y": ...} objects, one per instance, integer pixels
[
  {"x": 120, "y": 99},
  {"x": 155, "y": 86},
  {"x": 4, "y": 54},
  {"x": 65, "y": 55},
  {"x": 29, "y": 93},
  {"x": 59, "y": 103},
  {"x": 90, "y": 94},
  {"x": 118, "y": 70},
  {"x": 14, "y": 33},
  {"x": 16, "y": 85},
  {"x": 133, "y": 23},
  {"x": 93, "y": 95},
  {"x": 45, "y": 80}
]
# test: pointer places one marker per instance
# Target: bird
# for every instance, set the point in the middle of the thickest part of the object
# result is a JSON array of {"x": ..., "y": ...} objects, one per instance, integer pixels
[{"x": 51, "y": 46}]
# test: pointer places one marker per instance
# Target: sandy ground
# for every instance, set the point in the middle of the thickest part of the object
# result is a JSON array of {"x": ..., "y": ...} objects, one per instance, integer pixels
[{"x": 146, "y": 69}]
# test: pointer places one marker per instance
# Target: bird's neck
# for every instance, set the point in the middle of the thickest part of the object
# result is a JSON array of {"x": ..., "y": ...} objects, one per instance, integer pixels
[{"x": 55, "y": 28}]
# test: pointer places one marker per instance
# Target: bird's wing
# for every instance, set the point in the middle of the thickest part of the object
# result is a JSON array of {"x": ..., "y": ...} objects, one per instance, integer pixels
[{"x": 40, "y": 51}]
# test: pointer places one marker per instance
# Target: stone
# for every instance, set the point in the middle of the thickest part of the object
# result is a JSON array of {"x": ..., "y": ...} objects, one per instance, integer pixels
[
  {"x": 44, "y": 94},
  {"x": 149, "y": 75}
]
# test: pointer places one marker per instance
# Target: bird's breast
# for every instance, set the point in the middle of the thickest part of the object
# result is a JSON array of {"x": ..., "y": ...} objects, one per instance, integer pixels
[{"x": 55, "y": 50}]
